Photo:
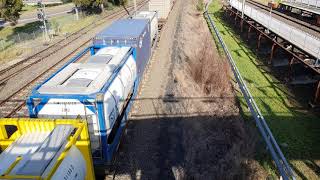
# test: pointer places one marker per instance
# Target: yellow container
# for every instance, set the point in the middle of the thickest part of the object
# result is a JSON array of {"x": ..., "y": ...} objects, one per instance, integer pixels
[{"x": 25, "y": 125}]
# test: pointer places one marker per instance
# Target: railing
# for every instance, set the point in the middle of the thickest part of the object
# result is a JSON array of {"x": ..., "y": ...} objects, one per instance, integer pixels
[{"x": 276, "y": 153}]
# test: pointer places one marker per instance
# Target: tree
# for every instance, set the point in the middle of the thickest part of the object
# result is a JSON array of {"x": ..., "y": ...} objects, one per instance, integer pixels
[
  {"x": 88, "y": 4},
  {"x": 10, "y": 10}
]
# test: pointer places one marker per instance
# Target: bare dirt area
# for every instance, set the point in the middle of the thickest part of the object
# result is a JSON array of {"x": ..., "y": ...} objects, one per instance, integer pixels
[{"x": 185, "y": 123}]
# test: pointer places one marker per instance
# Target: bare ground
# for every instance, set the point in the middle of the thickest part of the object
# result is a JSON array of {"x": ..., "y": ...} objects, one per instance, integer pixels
[{"x": 185, "y": 123}]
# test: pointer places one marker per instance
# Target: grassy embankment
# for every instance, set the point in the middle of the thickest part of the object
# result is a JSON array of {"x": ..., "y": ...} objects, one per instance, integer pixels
[{"x": 296, "y": 131}]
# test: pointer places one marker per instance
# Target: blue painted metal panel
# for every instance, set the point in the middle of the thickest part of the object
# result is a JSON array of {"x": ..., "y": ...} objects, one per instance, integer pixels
[
  {"x": 128, "y": 32},
  {"x": 124, "y": 28}
]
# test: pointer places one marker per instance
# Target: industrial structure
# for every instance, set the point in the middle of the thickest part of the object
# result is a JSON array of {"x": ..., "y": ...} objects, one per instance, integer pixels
[{"x": 300, "y": 43}]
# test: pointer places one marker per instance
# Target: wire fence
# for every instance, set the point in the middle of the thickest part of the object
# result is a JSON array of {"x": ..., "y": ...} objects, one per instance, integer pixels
[{"x": 31, "y": 38}]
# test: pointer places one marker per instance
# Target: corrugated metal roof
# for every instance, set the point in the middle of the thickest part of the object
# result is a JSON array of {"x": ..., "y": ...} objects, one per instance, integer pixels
[{"x": 124, "y": 28}]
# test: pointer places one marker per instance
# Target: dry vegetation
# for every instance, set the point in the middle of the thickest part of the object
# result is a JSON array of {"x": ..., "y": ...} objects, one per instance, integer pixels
[
  {"x": 208, "y": 69},
  {"x": 186, "y": 123},
  {"x": 220, "y": 145}
]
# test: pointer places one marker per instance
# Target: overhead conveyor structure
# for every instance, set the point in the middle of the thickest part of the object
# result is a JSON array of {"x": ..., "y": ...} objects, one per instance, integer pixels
[
  {"x": 294, "y": 35},
  {"x": 300, "y": 45}
]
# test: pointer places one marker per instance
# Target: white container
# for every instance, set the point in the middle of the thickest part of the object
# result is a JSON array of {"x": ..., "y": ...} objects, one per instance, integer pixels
[
  {"x": 163, "y": 7},
  {"x": 87, "y": 80},
  {"x": 152, "y": 16}
]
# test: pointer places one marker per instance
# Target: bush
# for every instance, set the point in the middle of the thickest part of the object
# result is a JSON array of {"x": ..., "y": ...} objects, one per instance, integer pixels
[
  {"x": 200, "y": 5},
  {"x": 108, "y": 5}
]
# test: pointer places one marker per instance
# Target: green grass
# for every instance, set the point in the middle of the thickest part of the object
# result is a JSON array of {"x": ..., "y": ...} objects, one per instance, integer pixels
[
  {"x": 300, "y": 130},
  {"x": 26, "y": 8},
  {"x": 68, "y": 24},
  {"x": 10, "y": 39}
]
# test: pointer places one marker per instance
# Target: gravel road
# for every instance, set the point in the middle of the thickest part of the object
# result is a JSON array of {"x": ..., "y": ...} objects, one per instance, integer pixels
[{"x": 178, "y": 129}]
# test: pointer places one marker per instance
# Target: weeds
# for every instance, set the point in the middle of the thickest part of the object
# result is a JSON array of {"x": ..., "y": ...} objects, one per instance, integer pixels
[
  {"x": 208, "y": 70},
  {"x": 200, "y": 5}
]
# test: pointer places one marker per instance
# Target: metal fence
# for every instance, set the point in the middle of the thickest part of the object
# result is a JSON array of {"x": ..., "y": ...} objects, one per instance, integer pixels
[
  {"x": 276, "y": 153},
  {"x": 20, "y": 37},
  {"x": 33, "y": 39},
  {"x": 301, "y": 39}
]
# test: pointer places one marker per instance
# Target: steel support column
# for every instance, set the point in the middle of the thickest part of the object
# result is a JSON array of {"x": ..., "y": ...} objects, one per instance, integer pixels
[
  {"x": 317, "y": 95},
  {"x": 241, "y": 25},
  {"x": 249, "y": 31},
  {"x": 273, "y": 49},
  {"x": 235, "y": 19},
  {"x": 290, "y": 72},
  {"x": 259, "y": 41}
]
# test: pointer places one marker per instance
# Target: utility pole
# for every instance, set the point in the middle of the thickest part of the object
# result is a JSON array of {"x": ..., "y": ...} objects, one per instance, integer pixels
[
  {"x": 42, "y": 17},
  {"x": 77, "y": 12}
]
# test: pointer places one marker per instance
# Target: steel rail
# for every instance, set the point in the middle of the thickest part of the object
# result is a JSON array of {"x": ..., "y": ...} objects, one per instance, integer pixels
[
  {"x": 35, "y": 80},
  {"x": 283, "y": 166},
  {"x": 290, "y": 18},
  {"x": 52, "y": 49}
]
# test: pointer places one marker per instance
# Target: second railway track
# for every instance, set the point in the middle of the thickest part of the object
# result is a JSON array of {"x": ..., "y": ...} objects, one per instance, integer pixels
[
  {"x": 13, "y": 70},
  {"x": 282, "y": 15},
  {"x": 15, "y": 102}
]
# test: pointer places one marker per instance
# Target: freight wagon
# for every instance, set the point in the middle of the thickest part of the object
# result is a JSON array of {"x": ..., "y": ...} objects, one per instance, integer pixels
[
  {"x": 100, "y": 88},
  {"x": 85, "y": 105},
  {"x": 163, "y": 7},
  {"x": 152, "y": 16}
]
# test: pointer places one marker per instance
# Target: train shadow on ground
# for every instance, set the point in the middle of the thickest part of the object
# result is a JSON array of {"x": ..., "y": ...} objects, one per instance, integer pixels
[
  {"x": 183, "y": 147},
  {"x": 196, "y": 147}
]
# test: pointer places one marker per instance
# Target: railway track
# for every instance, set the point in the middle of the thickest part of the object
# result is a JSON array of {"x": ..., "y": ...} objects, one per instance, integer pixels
[
  {"x": 13, "y": 70},
  {"x": 290, "y": 18},
  {"x": 14, "y": 104}
]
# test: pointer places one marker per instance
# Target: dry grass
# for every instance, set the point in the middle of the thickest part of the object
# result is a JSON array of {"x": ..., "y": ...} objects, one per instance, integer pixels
[{"x": 209, "y": 70}]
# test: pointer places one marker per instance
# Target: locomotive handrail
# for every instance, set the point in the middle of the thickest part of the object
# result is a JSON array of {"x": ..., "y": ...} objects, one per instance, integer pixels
[{"x": 276, "y": 153}]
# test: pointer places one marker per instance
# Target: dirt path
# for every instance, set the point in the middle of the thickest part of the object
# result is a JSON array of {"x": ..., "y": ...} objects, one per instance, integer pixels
[{"x": 185, "y": 123}]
